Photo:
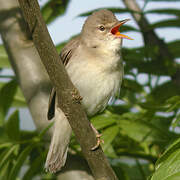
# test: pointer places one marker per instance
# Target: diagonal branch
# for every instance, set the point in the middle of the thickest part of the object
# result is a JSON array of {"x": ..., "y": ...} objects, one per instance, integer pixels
[
  {"x": 32, "y": 78},
  {"x": 66, "y": 92}
]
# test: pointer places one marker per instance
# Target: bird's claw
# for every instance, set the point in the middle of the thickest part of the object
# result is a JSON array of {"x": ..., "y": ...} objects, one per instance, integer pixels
[
  {"x": 99, "y": 141},
  {"x": 76, "y": 96}
]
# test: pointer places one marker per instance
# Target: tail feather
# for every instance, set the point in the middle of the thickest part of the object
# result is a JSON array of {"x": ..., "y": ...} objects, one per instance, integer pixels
[{"x": 57, "y": 154}]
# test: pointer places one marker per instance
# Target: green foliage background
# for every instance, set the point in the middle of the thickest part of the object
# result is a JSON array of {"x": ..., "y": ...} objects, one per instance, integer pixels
[{"x": 141, "y": 133}]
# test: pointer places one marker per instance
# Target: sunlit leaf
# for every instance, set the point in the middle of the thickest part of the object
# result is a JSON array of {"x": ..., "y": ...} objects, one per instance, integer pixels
[
  {"x": 6, "y": 155},
  {"x": 5, "y": 145},
  {"x": 140, "y": 130},
  {"x": 18, "y": 165},
  {"x": 19, "y": 100},
  {"x": 173, "y": 103},
  {"x": 100, "y": 121},
  {"x": 108, "y": 136},
  {"x": 110, "y": 152},
  {"x": 168, "y": 166},
  {"x": 176, "y": 121},
  {"x": 5, "y": 171}
]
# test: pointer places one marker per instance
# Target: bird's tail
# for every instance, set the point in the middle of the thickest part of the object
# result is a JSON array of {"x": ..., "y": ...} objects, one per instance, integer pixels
[{"x": 57, "y": 154}]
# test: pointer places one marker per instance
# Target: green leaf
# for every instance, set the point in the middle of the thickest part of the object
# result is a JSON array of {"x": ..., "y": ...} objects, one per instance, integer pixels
[
  {"x": 162, "y": 92},
  {"x": 6, "y": 155},
  {"x": 19, "y": 100},
  {"x": 168, "y": 166},
  {"x": 166, "y": 24},
  {"x": 173, "y": 100},
  {"x": 173, "y": 103},
  {"x": 176, "y": 121},
  {"x": 165, "y": 11},
  {"x": 110, "y": 152},
  {"x": 108, "y": 136},
  {"x": 52, "y": 9},
  {"x": 137, "y": 128},
  {"x": 102, "y": 121},
  {"x": 5, "y": 171},
  {"x": 5, "y": 145},
  {"x": 172, "y": 147},
  {"x": 7, "y": 93},
  {"x": 12, "y": 126},
  {"x": 126, "y": 28},
  {"x": 173, "y": 47},
  {"x": 18, "y": 165},
  {"x": 121, "y": 173},
  {"x": 132, "y": 85},
  {"x": 34, "y": 168},
  {"x": 4, "y": 61}
]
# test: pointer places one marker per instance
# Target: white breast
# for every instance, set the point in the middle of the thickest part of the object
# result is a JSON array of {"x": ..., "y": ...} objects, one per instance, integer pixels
[{"x": 96, "y": 80}]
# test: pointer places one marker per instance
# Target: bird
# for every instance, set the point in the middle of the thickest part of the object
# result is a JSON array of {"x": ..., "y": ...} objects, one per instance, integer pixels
[{"x": 94, "y": 64}]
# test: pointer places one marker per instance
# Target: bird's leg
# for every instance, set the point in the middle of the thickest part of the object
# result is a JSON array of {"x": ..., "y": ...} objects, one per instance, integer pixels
[
  {"x": 76, "y": 96},
  {"x": 98, "y": 138}
]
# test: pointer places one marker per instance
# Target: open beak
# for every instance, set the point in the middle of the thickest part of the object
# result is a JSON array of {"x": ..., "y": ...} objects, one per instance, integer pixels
[{"x": 115, "y": 30}]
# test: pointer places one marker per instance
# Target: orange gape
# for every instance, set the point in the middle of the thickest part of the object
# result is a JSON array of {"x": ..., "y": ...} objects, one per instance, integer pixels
[{"x": 116, "y": 32}]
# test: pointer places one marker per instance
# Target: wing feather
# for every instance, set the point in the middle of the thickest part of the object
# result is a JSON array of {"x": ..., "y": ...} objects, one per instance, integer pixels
[{"x": 65, "y": 56}]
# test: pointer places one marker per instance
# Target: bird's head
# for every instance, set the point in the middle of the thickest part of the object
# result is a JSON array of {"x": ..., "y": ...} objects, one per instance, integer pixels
[{"x": 102, "y": 28}]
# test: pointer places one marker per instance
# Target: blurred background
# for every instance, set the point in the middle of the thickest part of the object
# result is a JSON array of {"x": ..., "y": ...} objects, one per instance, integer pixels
[{"x": 140, "y": 127}]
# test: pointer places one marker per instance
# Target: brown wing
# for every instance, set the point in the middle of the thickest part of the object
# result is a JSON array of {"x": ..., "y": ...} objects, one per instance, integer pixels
[
  {"x": 51, "y": 105},
  {"x": 65, "y": 56}
]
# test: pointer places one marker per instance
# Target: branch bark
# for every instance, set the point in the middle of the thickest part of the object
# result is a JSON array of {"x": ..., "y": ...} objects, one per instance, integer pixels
[
  {"x": 32, "y": 77},
  {"x": 67, "y": 94}
]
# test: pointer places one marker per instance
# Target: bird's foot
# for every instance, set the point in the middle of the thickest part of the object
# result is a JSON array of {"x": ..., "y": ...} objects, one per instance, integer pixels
[
  {"x": 98, "y": 137},
  {"x": 99, "y": 141},
  {"x": 76, "y": 97}
]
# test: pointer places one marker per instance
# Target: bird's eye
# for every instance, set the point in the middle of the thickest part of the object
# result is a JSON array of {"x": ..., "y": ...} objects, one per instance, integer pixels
[{"x": 101, "y": 28}]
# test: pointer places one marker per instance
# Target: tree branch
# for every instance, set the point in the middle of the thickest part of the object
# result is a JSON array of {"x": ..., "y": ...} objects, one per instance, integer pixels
[
  {"x": 151, "y": 38},
  {"x": 66, "y": 92},
  {"x": 25, "y": 61},
  {"x": 149, "y": 35},
  {"x": 32, "y": 77}
]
